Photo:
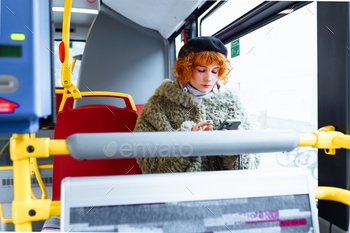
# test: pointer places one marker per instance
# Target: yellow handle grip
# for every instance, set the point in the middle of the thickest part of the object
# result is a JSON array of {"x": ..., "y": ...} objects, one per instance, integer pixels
[
  {"x": 333, "y": 194},
  {"x": 2, "y": 216},
  {"x": 342, "y": 141},
  {"x": 129, "y": 102}
]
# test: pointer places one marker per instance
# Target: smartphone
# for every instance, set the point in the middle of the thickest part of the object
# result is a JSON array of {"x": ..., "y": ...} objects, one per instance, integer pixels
[{"x": 230, "y": 125}]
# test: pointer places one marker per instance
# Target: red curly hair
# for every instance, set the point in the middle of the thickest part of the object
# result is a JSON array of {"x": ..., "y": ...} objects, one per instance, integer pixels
[{"x": 184, "y": 66}]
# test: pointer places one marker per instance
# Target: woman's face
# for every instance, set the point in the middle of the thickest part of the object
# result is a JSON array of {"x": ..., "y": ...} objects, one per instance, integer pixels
[{"x": 204, "y": 77}]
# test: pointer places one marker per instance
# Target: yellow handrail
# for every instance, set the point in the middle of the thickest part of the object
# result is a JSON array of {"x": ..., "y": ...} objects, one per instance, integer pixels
[
  {"x": 6, "y": 168},
  {"x": 307, "y": 140},
  {"x": 34, "y": 164},
  {"x": 333, "y": 194},
  {"x": 104, "y": 93},
  {"x": 48, "y": 166},
  {"x": 326, "y": 138},
  {"x": 3, "y": 217},
  {"x": 3, "y": 149},
  {"x": 60, "y": 91},
  {"x": 73, "y": 63},
  {"x": 342, "y": 141},
  {"x": 33, "y": 195}
]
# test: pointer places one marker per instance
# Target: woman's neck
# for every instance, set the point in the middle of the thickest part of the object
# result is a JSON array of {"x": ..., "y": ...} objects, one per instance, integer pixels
[
  {"x": 193, "y": 86},
  {"x": 189, "y": 88}
]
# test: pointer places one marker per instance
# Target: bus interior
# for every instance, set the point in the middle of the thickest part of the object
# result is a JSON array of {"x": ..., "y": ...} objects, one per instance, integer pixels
[{"x": 87, "y": 67}]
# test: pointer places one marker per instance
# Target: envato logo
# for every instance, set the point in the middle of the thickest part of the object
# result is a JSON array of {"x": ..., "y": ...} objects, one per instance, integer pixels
[{"x": 164, "y": 150}]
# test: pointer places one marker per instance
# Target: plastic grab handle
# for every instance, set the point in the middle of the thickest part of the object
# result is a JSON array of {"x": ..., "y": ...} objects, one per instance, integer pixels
[
  {"x": 332, "y": 194},
  {"x": 129, "y": 102}
]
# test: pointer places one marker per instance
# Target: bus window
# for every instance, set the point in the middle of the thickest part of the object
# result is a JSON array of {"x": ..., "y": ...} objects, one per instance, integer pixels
[
  {"x": 275, "y": 71},
  {"x": 227, "y": 13},
  {"x": 76, "y": 48}
]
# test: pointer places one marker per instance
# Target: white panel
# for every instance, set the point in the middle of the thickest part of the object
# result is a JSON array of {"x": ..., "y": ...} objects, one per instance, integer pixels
[
  {"x": 165, "y": 16},
  {"x": 178, "y": 187}
]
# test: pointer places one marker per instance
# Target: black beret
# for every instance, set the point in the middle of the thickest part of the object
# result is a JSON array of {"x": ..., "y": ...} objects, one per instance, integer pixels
[{"x": 200, "y": 44}]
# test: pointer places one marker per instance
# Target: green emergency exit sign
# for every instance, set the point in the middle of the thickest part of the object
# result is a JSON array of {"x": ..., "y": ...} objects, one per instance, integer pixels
[{"x": 235, "y": 48}]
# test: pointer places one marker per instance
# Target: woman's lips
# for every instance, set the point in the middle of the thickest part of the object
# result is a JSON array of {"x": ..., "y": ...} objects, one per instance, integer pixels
[{"x": 206, "y": 86}]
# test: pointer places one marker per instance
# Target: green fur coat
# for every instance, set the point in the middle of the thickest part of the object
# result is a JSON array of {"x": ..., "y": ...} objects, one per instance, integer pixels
[{"x": 170, "y": 108}]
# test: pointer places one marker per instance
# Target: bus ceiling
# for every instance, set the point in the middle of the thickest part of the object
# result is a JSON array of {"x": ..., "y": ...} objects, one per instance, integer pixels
[
  {"x": 164, "y": 16},
  {"x": 83, "y": 14}
]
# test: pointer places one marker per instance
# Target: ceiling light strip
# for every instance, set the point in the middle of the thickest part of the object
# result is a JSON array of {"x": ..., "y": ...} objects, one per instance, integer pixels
[{"x": 76, "y": 10}]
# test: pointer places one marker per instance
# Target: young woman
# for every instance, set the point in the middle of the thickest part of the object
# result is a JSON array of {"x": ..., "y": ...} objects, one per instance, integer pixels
[{"x": 196, "y": 101}]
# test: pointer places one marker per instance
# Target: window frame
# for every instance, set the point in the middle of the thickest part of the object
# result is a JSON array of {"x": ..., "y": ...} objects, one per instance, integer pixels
[
  {"x": 212, "y": 11},
  {"x": 263, "y": 14}
]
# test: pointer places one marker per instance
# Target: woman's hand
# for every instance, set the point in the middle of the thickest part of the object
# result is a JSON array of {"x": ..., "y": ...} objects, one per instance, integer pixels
[{"x": 208, "y": 124}]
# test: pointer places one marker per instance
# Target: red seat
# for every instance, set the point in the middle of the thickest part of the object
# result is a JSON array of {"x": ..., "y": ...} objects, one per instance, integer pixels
[{"x": 92, "y": 119}]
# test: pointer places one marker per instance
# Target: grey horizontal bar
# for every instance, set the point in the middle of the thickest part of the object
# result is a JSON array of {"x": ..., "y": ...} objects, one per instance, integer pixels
[{"x": 177, "y": 144}]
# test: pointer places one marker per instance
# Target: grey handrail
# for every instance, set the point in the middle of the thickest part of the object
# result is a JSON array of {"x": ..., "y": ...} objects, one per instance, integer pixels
[{"x": 177, "y": 144}]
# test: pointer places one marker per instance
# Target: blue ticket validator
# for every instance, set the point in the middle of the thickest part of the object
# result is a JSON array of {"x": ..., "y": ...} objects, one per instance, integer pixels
[{"x": 25, "y": 65}]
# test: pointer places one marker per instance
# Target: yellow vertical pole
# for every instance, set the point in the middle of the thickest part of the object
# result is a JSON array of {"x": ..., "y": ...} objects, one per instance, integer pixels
[
  {"x": 66, "y": 69},
  {"x": 66, "y": 27},
  {"x": 22, "y": 184},
  {"x": 24, "y": 209},
  {"x": 21, "y": 189}
]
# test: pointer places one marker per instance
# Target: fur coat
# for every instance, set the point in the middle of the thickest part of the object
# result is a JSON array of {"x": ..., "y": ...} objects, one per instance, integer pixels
[{"x": 171, "y": 108}]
